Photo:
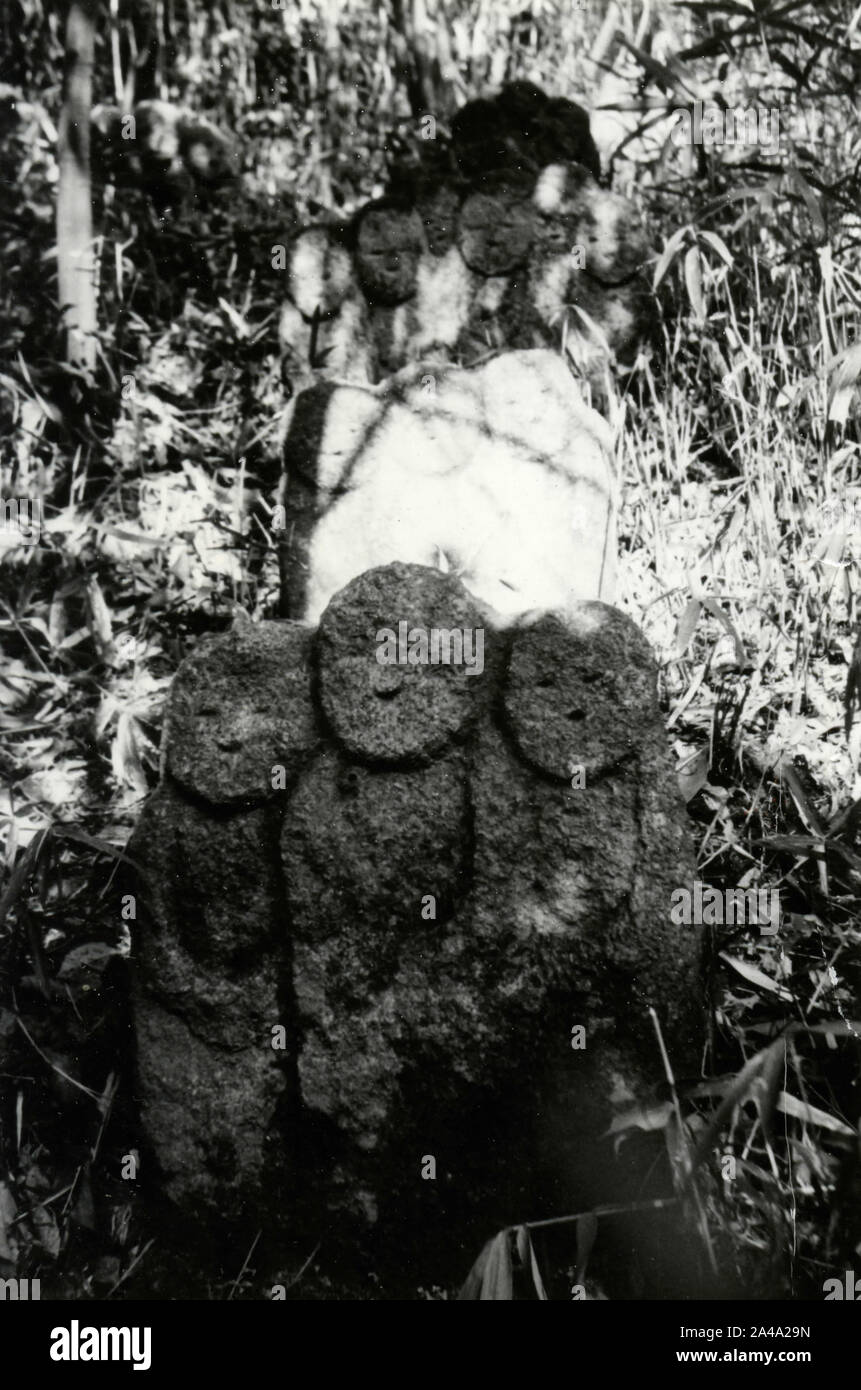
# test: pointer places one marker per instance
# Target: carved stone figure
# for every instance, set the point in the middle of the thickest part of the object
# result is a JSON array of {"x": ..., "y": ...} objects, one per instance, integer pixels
[
  {"x": 501, "y": 238},
  {"x": 395, "y": 859}
]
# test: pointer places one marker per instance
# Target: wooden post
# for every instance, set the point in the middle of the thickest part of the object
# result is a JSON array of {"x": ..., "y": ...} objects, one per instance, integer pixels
[{"x": 76, "y": 268}]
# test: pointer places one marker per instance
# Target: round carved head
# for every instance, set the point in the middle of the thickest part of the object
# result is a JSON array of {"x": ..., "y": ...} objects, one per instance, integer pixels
[
  {"x": 239, "y": 706},
  {"x": 401, "y": 659},
  {"x": 496, "y": 229},
  {"x": 389, "y": 242},
  {"x": 580, "y": 687}
]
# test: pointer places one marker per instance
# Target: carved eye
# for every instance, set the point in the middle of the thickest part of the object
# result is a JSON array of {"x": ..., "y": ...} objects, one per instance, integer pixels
[{"x": 559, "y": 702}]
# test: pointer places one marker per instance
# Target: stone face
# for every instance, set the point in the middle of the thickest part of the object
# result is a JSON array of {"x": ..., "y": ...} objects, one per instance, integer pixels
[
  {"x": 399, "y": 711},
  {"x": 427, "y": 908},
  {"x": 239, "y": 706},
  {"x": 389, "y": 241},
  {"x": 579, "y": 690},
  {"x": 496, "y": 231},
  {"x": 500, "y": 474},
  {"x": 473, "y": 251}
]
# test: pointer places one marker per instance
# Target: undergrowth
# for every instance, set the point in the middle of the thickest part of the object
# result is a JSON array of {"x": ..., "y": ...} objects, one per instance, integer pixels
[{"x": 738, "y": 453}]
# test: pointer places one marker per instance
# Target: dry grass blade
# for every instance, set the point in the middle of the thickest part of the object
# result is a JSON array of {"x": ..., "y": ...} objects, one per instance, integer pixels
[
  {"x": 135, "y": 1262},
  {"x": 79, "y": 1085},
  {"x": 245, "y": 1263},
  {"x": 22, "y": 870},
  {"x": 739, "y": 1090},
  {"x": 852, "y": 693},
  {"x": 528, "y": 1261},
  {"x": 812, "y": 1115},
  {"x": 757, "y": 977},
  {"x": 491, "y": 1277},
  {"x": 587, "y": 1230}
]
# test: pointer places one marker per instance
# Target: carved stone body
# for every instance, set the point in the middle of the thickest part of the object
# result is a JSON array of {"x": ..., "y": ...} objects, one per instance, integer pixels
[
  {"x": 427, "y": 876},
  {"x": 498, "y": 240},
  {"x": 500, "y": 474}
]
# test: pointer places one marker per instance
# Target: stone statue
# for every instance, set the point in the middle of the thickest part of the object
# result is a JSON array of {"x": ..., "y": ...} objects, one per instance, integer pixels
[
  {"x": 396, "y": 861},
  {"x": 501, "y": 238}
]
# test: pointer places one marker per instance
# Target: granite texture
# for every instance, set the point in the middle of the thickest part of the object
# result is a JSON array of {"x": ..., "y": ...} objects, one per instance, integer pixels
[
  {"x": 450, "y": 873},
  {"x": 498, "y": 238}
]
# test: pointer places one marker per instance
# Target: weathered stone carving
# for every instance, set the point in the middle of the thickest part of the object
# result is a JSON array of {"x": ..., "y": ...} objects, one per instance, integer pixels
[
  {"x": 208, "y": 990},
  {"x": 499, "y": 473},
  {"x": 500, "y": 239},
  {"x": 426, "y": 873},
  {"x": 408, "y": 839},
  {"x": 213, "y": 962},
  {"x": 522, "y": 126}
]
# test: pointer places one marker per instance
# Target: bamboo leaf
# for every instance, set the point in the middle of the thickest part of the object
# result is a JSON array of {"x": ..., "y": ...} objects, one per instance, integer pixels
[
  {"x": 587, "y": 1230},
  {"x": 718, "y": 244},
  {"x": 526, "y": 1255},
  {"x": 756, "y": 977},
  {"x": 667, "y": 256},
  {"x": 812, "y": 1115},
  {"x": 738, "y": 1090},
  {"x": 686, "y": 626},
  {"x": 694, "y": 282},
  {"x": 717, "y": 612},
  {"x": 491, "y": 1277}
]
